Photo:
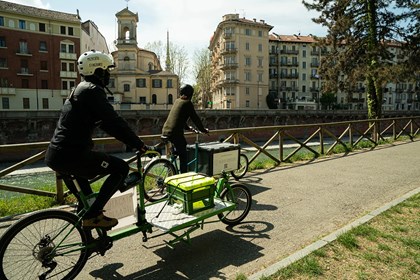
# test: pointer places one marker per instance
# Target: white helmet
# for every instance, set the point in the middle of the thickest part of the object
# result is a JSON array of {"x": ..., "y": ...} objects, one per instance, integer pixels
[{"x": 92, "y": 60}]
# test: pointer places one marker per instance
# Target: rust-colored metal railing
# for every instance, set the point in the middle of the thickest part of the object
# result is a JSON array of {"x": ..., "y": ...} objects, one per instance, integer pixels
[{"x": 346, "y": 134}]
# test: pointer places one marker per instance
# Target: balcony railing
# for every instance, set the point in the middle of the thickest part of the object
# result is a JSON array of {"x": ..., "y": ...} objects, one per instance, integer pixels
[{"x": 69, "y": 56}]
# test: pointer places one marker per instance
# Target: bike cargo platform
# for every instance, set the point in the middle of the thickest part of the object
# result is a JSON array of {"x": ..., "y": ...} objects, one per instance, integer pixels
[{"x": 171, "y": 219}]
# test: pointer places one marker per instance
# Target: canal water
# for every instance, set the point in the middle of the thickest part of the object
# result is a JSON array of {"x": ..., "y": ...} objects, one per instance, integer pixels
[{"x": 39, "y": 176}]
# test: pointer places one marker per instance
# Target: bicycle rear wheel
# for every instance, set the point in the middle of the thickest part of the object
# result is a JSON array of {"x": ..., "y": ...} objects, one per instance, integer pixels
[
  {"x": 243, "y": 167},
  {"x": 241, "y": 196},
  {"x": 41, "y": 246},
  {"x": 154, "y": 176}
]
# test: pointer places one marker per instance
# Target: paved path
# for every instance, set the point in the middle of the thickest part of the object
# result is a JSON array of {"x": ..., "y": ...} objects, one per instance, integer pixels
[{"x": 294, "y": 206}]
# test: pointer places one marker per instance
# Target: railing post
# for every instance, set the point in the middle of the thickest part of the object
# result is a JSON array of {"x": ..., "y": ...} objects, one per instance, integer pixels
[
  {"x": 281, "y": 145},
  {"x": 321, "y": 139},
  {"x": 351, "y": 135},
  {"x": 60, "y": 191}
]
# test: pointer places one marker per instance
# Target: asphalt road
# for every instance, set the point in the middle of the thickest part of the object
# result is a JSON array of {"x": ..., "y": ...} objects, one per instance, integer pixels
[{"x": 293, "y": 206}]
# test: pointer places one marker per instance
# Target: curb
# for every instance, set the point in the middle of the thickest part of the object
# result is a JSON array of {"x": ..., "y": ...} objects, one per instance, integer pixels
[{"x": 329, "y": 238}]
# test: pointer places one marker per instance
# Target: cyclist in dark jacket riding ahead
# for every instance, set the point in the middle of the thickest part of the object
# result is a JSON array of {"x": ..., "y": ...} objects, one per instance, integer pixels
[
  {"x": 70, "y": 150},
  {"x": 173, "y": 128}
]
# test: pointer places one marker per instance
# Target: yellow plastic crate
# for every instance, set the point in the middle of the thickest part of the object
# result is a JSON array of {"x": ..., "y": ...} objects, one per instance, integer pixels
[{"x": 194, "y": 190}]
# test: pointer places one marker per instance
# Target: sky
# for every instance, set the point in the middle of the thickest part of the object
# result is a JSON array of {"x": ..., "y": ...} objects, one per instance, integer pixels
[{"x": 190, "y": 23}]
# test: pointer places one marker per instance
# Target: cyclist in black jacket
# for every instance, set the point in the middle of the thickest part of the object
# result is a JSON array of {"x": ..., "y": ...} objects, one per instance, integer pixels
[{"x": 70, "y": 150}]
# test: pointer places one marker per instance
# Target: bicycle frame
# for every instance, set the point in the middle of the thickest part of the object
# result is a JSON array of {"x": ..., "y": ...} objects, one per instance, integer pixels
[{"x": 142, "y": 224}]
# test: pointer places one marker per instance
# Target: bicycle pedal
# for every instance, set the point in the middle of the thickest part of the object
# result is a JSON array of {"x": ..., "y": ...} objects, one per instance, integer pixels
[{"x": 104, "y": 244}]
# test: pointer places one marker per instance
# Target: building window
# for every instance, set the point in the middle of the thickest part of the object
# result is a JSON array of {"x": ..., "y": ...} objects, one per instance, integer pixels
[
  {"x": 142, "y": 100},
  {"x": 260, "y": 62},
  {"x": 303, "y": 88},
  {"x": 141, "y": 83},
  {"x": 67, "y": 84},
  {"x": 25, "y": 83},
  {"x": 247, "y": 46},
  {"x": 2, "y": 42},
  {"x": 44, "y": 84},
  {"x": 247, "y": 103},
  {"x": 248, "y": 32},
  {"x": 126, "y": 87},
  {"x": 260, "y": 77},
  {"x": 260, "y": 33},
  {"x": 24, "y": 66},
  {"x": 71, "y": 32},
  {"x": 247, "y": 76},
  {"x": 42, "y": 27},
  {"x": 62, "y": 30},
  {"x": 157, "y": 83},
  {"x": 4, "y": 82},
  {"x": 169, "y": 83},
  {"x": 170, "y": 99},
  {"x": 5, "y": 103},
  {"x": 22, "y": 24},
  {"x": 260, "y": 47},
  {"x": 304, "y": 64},
  {"x": 154, "y": 99},
  {"x": 43, "y": 46},
  {"x": 111, "y": 83},
  {"x": 44, "y": 65},
  {"x": 23, "y": 47},
  {"x": 1, "y": 21},
  {"x": 304, "y": 53},
  {"x": 66, "y": 48},
  {"x": 303, "y": 76},
  {"x": 247, "y": 61},
  {"x": 3, "y": 62},
  {"x": 247, "y": 91},
  {"x": 26, "y": 104},
  {"x": 45, "y": 104}
]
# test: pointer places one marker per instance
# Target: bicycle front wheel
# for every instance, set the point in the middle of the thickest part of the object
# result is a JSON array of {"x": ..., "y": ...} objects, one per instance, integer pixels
[
  {"x": 243, "y": 167},
  {"x": 241, "y": 196},
  {"x": 44, "y": 245},
  {"x": 154, "y": 176}
]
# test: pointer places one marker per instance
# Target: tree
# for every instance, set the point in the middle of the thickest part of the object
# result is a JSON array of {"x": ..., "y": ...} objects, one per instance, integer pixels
[
  {"x": 178, "y": 58},
  {"x": 202, "y": 74},
  {"x": 358, "y": 35}
]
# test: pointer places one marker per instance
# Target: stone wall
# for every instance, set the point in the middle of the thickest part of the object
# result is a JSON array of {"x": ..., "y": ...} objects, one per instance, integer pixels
[{"x": 26, "y": 127}]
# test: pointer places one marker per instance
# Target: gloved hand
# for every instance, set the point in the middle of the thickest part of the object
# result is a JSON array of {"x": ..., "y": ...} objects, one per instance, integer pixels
[{"x": 145, "y": 148}]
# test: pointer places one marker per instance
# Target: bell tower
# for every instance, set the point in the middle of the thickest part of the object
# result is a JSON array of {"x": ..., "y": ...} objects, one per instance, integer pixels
[
  {"x": 126, "y": 42},
  {"x": 127, "y": 27}
]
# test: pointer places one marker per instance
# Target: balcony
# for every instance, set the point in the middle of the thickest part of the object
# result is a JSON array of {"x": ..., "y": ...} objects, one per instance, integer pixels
[
  {"x": 68, "y": 74},
  {"x": 229, "y": 65},
  {"x": 68, "y": 56},
  {"x": 289, "y": 52},
  {"x": 229, "y": 51},
  {"x": 227, "y": 82},
  {"x": 227, "y": 35},
  {"x": 7, "y": 91},
  {"x": 274, "y": 75},
  {"x": 24, "y": 72},
  {"x": 23, "y": 52},
  {"x": 289, "y": 76}
]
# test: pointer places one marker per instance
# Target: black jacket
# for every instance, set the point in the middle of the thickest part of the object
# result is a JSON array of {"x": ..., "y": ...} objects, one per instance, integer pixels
[{"x": 87, "y": 108}]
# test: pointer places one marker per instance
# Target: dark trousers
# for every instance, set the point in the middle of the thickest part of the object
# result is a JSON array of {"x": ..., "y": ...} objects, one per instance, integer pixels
[
  {"x": 180, "y": 145},
  {"x": 87, "y": 165}
]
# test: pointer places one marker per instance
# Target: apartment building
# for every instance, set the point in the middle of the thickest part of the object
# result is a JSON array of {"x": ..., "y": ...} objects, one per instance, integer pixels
[
  {"x": 243, "y": 78},
  {"x": 293, "y": 69},
  {"x": 38, "y": 53},
  {"x": 296, "y": 84},
  {"x": 239, "y": 56},
  {"x": 139, "y": 82}
]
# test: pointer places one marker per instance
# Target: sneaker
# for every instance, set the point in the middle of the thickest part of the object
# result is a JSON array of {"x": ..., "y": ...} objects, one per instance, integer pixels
[{"x": 99, "y": 221}]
